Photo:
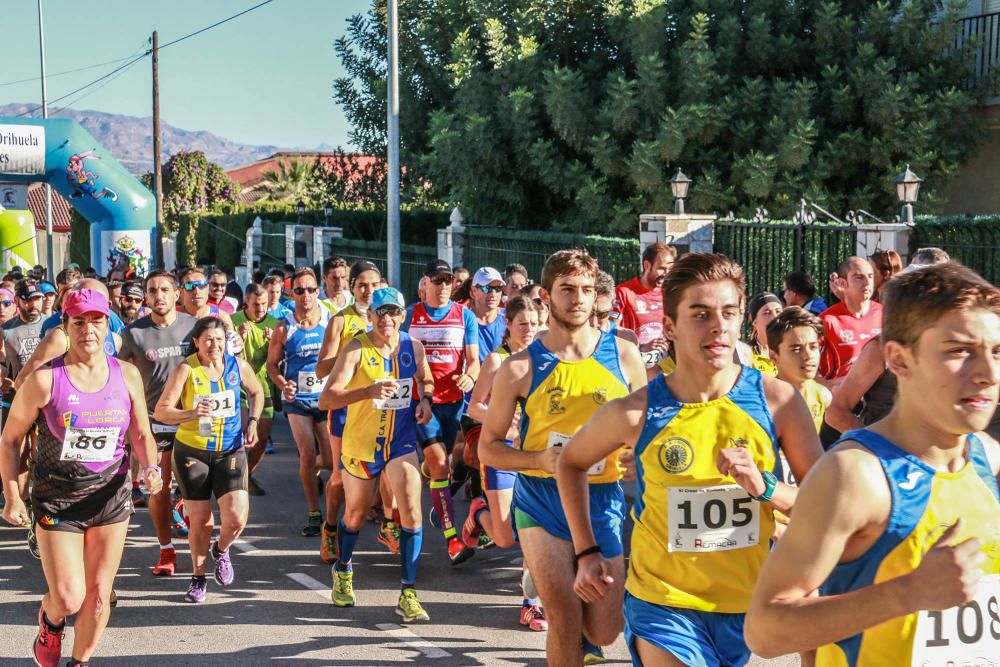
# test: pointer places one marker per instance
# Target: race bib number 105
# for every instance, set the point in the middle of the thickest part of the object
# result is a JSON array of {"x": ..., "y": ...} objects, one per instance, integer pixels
[
  {"x": 965, "y": 635},
  {"x": 714, "y": 518},
  {"x": 90, "y": 445}
]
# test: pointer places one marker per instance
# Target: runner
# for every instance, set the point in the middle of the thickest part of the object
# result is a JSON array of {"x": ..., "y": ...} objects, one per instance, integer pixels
[
  {"x": 208, "y": 454},
  {"x": 852, "y": 322},
  {"x": 763, "y": 308},
  {"x": 194, "y": 297},
  {"x": 640, "y": 301},
  {"x": 218, "y": 281},
  {"x": 276, "y": 308},
  {"x": 604, "y": 316},
  {"x": 793, "y": 340},
  {"x": 515, "y": 278},
  {"x": 800, "y": 290},
  {"x": 449, "y": 334},
  {"x": 492, "y": 516},
  {"x": 8, "y": 306},
  {"x": 336, "y": 285},
  {"x": 297, "y": 342},
  {"x": 85, "y": 402},
  {"x": 363, "y": 280},
  {"x": 383, "y": 380},
  {"x": 131, "y": 301},
  {"x": 49, "y": 290},
  {"x": 157, "y": 344},
  {"x": 706, "y": 441},
  {"x": 911, "y": 575},
  {"x": 256, "y": 327},
  {"x": 560, "y": 380}
]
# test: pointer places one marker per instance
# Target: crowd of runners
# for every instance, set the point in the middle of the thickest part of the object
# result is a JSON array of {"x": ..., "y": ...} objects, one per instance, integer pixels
[{"x": 536, "y": 397}]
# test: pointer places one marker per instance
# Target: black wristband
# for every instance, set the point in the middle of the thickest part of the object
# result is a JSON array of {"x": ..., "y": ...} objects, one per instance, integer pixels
[{"x": 586, "y": 552}]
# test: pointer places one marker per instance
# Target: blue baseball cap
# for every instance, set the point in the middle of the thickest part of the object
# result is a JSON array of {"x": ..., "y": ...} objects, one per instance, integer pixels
[
  {"x": 47, "y": 287},
  {"x": 387, "y": 296}
]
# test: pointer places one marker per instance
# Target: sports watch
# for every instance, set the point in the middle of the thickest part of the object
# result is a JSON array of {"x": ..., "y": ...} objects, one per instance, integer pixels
[{"x": 770, "y": 482}]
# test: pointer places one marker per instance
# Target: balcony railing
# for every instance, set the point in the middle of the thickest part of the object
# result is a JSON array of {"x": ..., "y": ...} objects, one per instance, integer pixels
[{"x": 984, "y": 30}]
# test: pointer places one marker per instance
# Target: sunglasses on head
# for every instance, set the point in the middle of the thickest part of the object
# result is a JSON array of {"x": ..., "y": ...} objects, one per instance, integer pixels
[
  {"x": 299, "y": 291},
  {"x": 192, "y": 285},
  {"x": 496, "y": 289},
  {"x": 390, "y": 310},
  {"x": 442, "y": 280}
]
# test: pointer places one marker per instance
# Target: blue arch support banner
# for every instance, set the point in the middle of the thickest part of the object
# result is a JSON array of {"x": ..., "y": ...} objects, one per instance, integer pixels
[{"x": 120, "y": 209}]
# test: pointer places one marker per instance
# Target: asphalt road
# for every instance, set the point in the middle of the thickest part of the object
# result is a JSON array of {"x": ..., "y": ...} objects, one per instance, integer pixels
[{"x": 279, "y": 609}]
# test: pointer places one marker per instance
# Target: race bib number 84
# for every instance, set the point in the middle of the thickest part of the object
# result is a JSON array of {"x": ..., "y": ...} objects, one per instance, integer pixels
[
  {"x": 90, "y": 445},
  {"x": 713, "y": 518},
  {"x": 960, "y": 636}
]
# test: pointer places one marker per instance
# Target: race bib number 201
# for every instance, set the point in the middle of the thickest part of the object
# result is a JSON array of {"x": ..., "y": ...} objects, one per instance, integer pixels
[
  {"x": 713, "y": 518},
  {"x": 90, "y": 445},
  {"x": 965, "y": 635}
]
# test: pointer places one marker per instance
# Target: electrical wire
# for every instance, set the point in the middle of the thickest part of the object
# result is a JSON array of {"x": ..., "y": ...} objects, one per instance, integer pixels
[{"x": 215, "y": 25}]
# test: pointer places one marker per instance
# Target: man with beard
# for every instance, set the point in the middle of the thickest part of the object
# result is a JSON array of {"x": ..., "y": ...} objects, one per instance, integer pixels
[
  {"x": 640, "y": 302},
  {"x": 130, "y": 302},
  {"x": 852, "y": 322},
  {"x": 336, "y": 285},
  {"x": 157, "y": 344}
]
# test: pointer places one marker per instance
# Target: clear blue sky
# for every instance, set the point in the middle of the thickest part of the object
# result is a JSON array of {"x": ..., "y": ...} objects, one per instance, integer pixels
[{"x": 264, "y": 78}]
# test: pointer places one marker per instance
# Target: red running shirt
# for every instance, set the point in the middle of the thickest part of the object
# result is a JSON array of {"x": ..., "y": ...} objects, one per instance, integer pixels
[
  {"x": 844, "y": 337},
  {"x": 641, "y": 310}
]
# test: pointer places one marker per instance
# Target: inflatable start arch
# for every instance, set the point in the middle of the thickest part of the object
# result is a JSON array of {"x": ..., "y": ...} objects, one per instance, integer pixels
[{"x": 58, "y": 151}]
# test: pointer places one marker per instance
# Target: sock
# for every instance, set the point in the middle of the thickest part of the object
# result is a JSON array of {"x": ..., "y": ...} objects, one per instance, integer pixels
[
  {"x": 459, "y": 475},
  {"x": 73, "y": 662},
  {"x": 316, "y": 513},
  {"x": 395, "y": 516},
  {"x": 443, "y": 505},
  {"x": 135, "y": 485},
  {"x": 52, "y": 626},
  {"x": 589, "y": 646},
  {"x": 215, "y": 549},
  {"x": 329, "y": 528},
  {"x": 347, "y": 541},
  {"x": 410, "y": 541},
  {"x": 169, "y": 546},
  {"x": 479, "y": 522},
  {"x": 200, "y": 578}
]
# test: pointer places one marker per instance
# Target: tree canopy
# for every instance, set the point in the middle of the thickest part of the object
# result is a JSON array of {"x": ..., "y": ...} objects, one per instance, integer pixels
[{"x": 574, "y": 114}]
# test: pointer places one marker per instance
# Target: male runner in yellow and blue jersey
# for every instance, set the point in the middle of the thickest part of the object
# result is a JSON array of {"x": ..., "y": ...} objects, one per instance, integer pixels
[
  {"x": 706, "y": 440},
  {"x": 560, "y": 380},
  {"x": 899, "y": 524}
]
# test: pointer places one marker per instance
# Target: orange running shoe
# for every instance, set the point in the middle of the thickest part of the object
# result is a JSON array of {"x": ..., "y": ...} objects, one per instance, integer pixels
[{"x": 168, "y": 563}]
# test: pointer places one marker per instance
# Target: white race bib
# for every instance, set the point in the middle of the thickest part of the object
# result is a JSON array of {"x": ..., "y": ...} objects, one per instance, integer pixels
[
  {"x": 90, "y": 445},
  {"x": 399, "y": 400},
  {"x": 966, "y": 635},
  {"x": 308, "y": 383},
  {"x": 560, "y": 439},
  {"x": 163, "y": 428},
  {"x": 789, "y": 476},
  {"x": 223, "y": 404},
  {"x": 713, "y": 518},
  {"x": 652, "y": 358}
]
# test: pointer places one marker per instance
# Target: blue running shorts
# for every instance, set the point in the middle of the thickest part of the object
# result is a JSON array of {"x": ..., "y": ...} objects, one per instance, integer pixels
[
  {"x": 335, "y": 422},
  {"x": 443, "y": 426}
]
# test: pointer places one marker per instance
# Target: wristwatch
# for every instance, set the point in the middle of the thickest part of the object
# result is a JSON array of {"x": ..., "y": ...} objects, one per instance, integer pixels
[{"x": 770, "y": 482}]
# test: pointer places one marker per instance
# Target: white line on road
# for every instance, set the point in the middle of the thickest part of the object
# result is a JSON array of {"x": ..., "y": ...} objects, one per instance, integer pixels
[
  {"x": 419, "y": 643},
  {"x": 306, "y": 581},
  {"x": 245, "y": 547}
]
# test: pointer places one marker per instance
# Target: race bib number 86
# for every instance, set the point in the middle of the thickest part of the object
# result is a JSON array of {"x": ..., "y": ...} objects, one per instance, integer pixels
[
  {"x": 966, "y": 635},
  {"x": 90, "y": 445},
  {"x": 714, "y": 518}
]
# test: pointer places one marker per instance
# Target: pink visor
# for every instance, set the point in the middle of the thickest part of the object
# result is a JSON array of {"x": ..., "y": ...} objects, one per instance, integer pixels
[{"x": 78, "y": 302}]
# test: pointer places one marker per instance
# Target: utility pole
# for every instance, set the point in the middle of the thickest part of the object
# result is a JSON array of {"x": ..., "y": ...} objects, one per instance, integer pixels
[
  {"x": 49, "y": 252},
  {"x": 392, "y": 205},
  {"x": 157, "y": 170}
]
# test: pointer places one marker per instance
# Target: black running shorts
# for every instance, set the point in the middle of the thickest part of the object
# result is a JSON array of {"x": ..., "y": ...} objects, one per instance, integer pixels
[{"x": 200, "y": 474}]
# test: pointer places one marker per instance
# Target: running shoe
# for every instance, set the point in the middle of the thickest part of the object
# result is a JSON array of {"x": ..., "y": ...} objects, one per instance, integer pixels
[
  {"x": 114, "y": 599},
  {"x": 197, "y": 589},
  {"x": 168, "y": 563},
  {"x": 486, "y": 542},
  {"x": 329, "y": 549},
  {"x": 458, "y": 553},
  {"x": 138, "y": 497},
  {"x": 33, "y": 543},
  {"x": 533, "y": 616},
  {"x": 343, "y": 588},
  {"x": 269, "y": 449},
  {"x": 592, "y": 653},
  {"x": 224, "y": 573},
  {"x": 389, "y": 536},
  {"x": 314, "y": 526},
  {"x": 256, "y": 489},
  {"x": 471, "y": 530},
  {"x": 178, "y": 520},
  {"x": 409, "y": 607},
  {"x": 47, "y": 649}
]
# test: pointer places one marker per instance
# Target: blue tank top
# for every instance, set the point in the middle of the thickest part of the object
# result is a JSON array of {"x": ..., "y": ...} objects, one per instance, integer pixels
[{"x": 302, "y": 353}]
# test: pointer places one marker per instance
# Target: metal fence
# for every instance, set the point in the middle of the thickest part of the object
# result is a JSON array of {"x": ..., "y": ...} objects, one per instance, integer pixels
[
  {"x": 412, "y": 259},
  {"x": 491, "y": 246},
  {"x": 768, "y": 251},
  {"x": 984, "y": 31},
  {"x": 975, "y": 243}
]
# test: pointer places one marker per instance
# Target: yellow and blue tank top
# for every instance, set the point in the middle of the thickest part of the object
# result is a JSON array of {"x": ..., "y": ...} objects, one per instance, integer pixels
[
  {"x": 372, "y": 432},
  {"x": 815, "y": 397},
  {"x": 354, "y": 324},
  {"x": 700, "y": 540},
  {"x": 564, "y": 395},
  {"x": 224, "y": 393},
  {"x": 925, "y": 502}
]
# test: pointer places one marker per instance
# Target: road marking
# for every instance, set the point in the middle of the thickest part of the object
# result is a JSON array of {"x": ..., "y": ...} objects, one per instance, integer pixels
[
  {"x": 245, "y": 547},
  {"x": 417, "y": 642},
  {"x": 306, "y": 581}
]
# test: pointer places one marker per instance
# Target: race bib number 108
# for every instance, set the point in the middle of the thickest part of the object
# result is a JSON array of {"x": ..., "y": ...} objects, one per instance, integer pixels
[{"x": 965, "y": 635}]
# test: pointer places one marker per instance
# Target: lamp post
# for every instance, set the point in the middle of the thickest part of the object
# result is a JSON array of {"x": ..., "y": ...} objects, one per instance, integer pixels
[
  {"x": 327, "y": 212},
  {"x": 907, "y": 189},
  {"x": 300, "y": 208},
  {"x": 679, "y": 185}
]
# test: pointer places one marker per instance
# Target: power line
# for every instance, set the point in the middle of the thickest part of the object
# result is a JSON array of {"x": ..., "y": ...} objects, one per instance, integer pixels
[
  {"x": 215, "y": 25},
  {"x": 69, "y": 71},
  {"x": 88, "y": 85}
]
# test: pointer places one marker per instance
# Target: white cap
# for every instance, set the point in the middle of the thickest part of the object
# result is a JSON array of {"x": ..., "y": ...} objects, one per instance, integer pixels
[{"x": 487, "y": 275}]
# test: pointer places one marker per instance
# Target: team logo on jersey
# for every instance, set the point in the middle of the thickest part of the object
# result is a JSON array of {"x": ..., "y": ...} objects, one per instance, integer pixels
[
  {"x": 232, "y": 378},
  {"x": 600, "y": 395},
  {"x": 676, "y": 455},
  {"x": 640, "y": 306},
  {"x": 846, "y": 336},
  {"x": 405, "y": 359},
  {"x": 68, "y": 419},
  {"x": 739, "y": 442},
  {"x": 556, "y": 395},
  {"x": 48, "y": 520},
  {"x": 73, "y": 399}
]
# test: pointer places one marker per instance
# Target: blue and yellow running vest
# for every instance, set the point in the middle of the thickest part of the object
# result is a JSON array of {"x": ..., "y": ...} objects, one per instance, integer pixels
[
  {"x": 564, "y": 395},
  {"x": 925, "y": 502},
  {"x": 224, "y": 393},
  {"x": 700, "y": 540}
]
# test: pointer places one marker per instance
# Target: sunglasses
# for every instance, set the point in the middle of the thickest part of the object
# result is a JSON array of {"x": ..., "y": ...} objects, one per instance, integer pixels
[
  {"x": 6, "y": 304},
  {"x": 195, "y": 284},
  {"x": 131, "y": 299},
  {"x": 299, "y": 291},
  {"x": 442, "y": 280},
  {"x": 602, "y": 314},
  {"x": 391, "y": 311},
  {"x": 218, "y": 285},
  {"x": 496, "y": 289},
  {"x": 537, "y": 300}
]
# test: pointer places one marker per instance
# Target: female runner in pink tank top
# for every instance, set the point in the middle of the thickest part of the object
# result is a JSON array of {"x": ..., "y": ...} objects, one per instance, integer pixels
[{"x": 85, "y": 403}]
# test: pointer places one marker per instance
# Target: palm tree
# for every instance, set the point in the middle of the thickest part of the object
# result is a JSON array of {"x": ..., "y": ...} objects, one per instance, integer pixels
[{"x": 293, "y": 181}]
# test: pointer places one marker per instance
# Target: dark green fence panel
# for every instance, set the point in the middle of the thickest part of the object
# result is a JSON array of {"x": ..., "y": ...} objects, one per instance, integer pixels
[
  {"x": 412, "y": 259},
  {"x": 975, "y": 243}
]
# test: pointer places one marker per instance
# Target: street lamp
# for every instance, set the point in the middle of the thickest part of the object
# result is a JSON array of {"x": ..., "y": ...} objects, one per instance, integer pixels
[
  {"x": 327, "y": 212},
  {"x": 907, "y": 189},
  {"x": 300, "y": 208},
  {"x": 679, "y": 185}
]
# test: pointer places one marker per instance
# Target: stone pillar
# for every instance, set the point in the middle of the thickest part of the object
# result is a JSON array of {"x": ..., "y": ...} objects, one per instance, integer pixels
[
  {"x": 687, "y": 232},
  {"x": 890, "y": 236},
  {"x": 451, "y": 240},
  {"x": 322, "y": 237},
  {"x": 169, "y": 242}
]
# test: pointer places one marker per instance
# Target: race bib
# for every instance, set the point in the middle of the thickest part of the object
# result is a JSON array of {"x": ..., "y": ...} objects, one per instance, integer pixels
[
  {"x": 308, "y": 383},
  {"x": 560, "y": 439},
  {"x": 966, "y": 635},
  {"x": 223, "y": 404},
  {"x": 90, "y": 445},
  {"x": 714, "y": 518},
  {"x": 786, "y": 471},
  {"x": 162, "y": 428},
  {"x": 652, "y": 358},
  {"x": 399, "y": 400}
]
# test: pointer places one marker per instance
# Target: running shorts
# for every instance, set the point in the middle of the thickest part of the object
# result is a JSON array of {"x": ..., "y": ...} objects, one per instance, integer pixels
[
  {"x": 696, "y": 638},
  {"x": 109, "y": 503},
  {"x": 372, "y": 469},
  {"x": 538, "y": 499},
  {"x": 443, "y": 426},
  {"x": 306, "y": 408},
  {"x": 200, "y": 474},
  {"x": 163, "y": 436},
  {"x": 335, "y": 421}
]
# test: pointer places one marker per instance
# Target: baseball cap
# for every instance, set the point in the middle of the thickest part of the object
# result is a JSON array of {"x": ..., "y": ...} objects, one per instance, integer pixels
[
  {"x": 360, "y": 267},
  {"x": 487, "y": 275},
  {"x": 387, "y": 296},
  {"x": 47, "y": 287},
  {"x": 133, "y": 290},
  {"x": 27, "y": 289},
  {"x": 436, "y": 267},
  {"x": 84, "y": 301}
]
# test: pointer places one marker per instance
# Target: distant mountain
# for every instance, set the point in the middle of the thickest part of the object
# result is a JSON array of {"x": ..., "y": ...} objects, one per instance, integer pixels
[{"x": 130, "y": 139}]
